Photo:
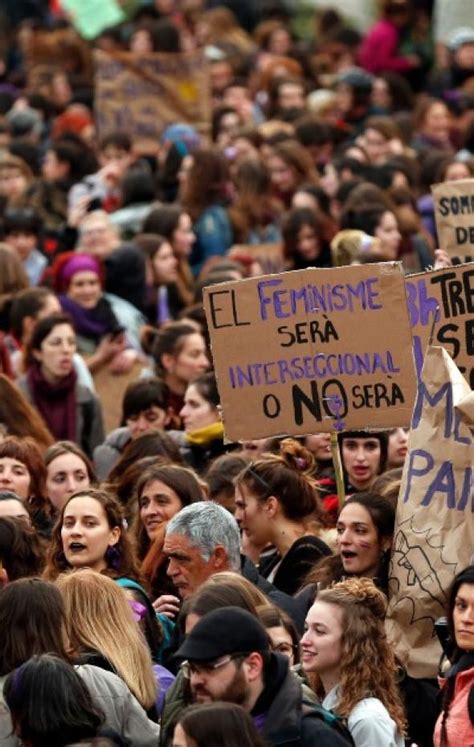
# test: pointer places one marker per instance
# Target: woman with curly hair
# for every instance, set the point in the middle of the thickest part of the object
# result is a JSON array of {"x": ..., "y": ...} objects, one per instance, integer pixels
[
  {"x": 455, "y": 725},
  {"x": 276, "y": 502},
  {"x": 346, "y": 653}
]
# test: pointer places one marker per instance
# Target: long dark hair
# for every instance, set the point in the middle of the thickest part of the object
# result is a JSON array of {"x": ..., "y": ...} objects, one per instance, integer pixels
[
  {"x": 21, "y": 552},
  {"x": 466, "y": 576},
  {"x": 215, "y": 724},
  {"x": 32, "y": 621},
  {"x": 180, "y": 479},
  {"x": 50, "y": 704},
  {"x": 330, "y": 570}
]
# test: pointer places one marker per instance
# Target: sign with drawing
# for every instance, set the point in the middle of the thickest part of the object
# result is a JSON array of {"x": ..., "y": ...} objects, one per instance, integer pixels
[{"x": 435, "y": 519}]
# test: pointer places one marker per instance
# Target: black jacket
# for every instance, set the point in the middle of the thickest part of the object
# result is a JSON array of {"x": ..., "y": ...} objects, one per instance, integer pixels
[
  {"x": 286, "y": 723},
  {"x": 297, "y": 563},
  {"x": 279, "y": 598}
]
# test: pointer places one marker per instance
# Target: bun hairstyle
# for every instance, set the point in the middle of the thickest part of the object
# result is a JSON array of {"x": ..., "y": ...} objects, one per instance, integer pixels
[
  {"x": 367, "y": 665},
  {"x": 357, "y": 591},
  {"x": 288, "y": 477}
]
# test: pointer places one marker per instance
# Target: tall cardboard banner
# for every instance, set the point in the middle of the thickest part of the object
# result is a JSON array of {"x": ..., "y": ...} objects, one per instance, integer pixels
[
  {"x": 454, "y": 214},
  {"x": 435, "y": 522},
  {"x": 142, "y": 95},
  {"x": 443, "y": 301},
  {"x": 312, "y": 350}
]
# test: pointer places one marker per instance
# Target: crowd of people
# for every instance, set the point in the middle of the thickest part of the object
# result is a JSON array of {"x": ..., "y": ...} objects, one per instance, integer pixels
[{"x": 159, "y": 585}]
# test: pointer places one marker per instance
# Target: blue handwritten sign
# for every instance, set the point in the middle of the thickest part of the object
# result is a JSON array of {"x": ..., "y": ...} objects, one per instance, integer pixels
[
  {"x": 312, "y": 350},
  {"x": 451, "y": 291},
  {"x": 435, "y": 512}
]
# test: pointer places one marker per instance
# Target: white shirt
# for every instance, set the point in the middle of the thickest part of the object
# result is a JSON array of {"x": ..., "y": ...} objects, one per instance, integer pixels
[{"x": 369, "y": 722}]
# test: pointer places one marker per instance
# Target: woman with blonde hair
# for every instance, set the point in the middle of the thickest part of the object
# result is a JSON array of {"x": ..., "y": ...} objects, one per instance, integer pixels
[
  {"x": 100, "y": 625},
  {"x": 347, "y": 656}
]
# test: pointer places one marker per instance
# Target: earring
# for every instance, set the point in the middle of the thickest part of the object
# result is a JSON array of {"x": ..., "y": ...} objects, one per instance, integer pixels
[{"x": 113, "y": 557}]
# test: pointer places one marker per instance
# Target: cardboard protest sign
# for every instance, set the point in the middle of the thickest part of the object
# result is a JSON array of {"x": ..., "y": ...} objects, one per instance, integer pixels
[
  {"x": 143, "y": 95},
  {"x": 435, "y": 520},
  {"x": 454, "y": 214},
  {"x": 312, "y": 350},
  {"x": 90, "y": 17},
  {"x": 450, "y": 290}
]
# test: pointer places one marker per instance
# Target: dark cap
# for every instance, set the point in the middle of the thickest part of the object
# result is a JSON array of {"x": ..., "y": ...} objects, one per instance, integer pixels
[{"x": 229, "y": 630}]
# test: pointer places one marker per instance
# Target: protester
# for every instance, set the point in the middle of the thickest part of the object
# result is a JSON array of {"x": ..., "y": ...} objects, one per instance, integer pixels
[
  {"x": 456, "y": 723},
  {"x": 144, "y": 408},
  {"x": 346, "y": 647},
  {"x": 276, "y": 503},
  {"x": 327, "y": 128},
  {"x": 70, "y": 410},
  {"x": 363, "y": 458},
  {"x": 203, "y": 428},
  {"x": 161, "y": 492},
  {"x": 11, "y": 506},
  {"x": 102, "y": 630},
  {"x": 21, "y": 552},
  {"x": 22, "y": 471},
  {"x": 213, "y": 724},
  {"x": 49, "y": 703},
  {"x": 33, "y": 622},
  {"x": 90, "y": 533},
  {"x": 69, "y": 470},
  {"x": 228, "y": 658},
  {"x": 179, "y": 352}
]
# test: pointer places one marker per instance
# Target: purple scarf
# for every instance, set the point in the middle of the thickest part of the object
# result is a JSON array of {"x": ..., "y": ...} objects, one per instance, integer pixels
[
  {"x": 92, "y": 323},
  {"x": 56, "y": 403}
]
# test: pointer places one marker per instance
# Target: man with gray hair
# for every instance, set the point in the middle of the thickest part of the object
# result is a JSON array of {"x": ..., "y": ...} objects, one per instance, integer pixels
[{"x": 203, "y": 539}]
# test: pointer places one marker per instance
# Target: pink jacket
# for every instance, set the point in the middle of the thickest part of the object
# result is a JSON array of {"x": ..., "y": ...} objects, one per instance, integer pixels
[
  {"x": 379, "y": 50},
  {"x": 459, "y": 729}
]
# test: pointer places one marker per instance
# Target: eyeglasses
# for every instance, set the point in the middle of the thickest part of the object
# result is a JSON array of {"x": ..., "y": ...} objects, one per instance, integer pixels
[{"x": 209, "y": 667}]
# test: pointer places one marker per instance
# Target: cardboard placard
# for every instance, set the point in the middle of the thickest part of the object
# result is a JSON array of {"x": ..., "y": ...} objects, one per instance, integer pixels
[
  {"x": 91, "y": 17},
  {"x": 143, "y": 95},
  {"x": 451, "y": 290},
  {"x": 454, "y": 214},
  {"x": 435, "y": 520},
  {"x": 312, "y": 350}
]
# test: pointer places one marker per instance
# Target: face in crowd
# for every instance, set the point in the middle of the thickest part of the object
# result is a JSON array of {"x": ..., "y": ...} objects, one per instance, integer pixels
[
  {"x": 86, "y": 534},
  {"x": 361, "y": 460},
  {"x": 359, "y": 543}
]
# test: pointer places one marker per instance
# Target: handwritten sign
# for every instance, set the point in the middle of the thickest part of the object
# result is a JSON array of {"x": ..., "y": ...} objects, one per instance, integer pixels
[
  {"x": 452, "y": 291},
  {"x": 454, "y": 214},
  {"x": 142, "y": 95},
  {"x": 90, "y": 17},
  {"x": 435, "y": 520},
  {"x": 312, "y": 350}
]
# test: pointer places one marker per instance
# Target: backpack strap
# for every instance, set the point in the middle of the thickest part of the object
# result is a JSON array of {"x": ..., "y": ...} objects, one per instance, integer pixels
[{"x": 337, "y": 723}]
